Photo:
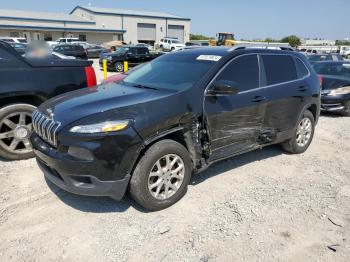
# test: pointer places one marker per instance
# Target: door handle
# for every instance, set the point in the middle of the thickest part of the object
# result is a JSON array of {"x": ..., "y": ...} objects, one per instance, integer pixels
[
  {"x": 258, "y": 99},
  {"x": 302, "y": 88}
]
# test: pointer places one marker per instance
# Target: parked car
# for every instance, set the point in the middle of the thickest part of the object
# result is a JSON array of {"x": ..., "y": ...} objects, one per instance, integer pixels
[
  {"x": 19, "y": 47},
  {"x": 71, "y": 50},
  {"x": 134, "y": 55},
  {"x": 172, "y": 45},
  {"x": 14, "y": 39},
  {"x": 335, "y": 86},
  {"x": 173, "y": 117},
  {"x": 94, "y": 51},
  {"x": 118, "y": 77},
  {"x": 325, "y": 57},
  {"x": 165, "y": 40},
  {"x": 345, "y": 51},
  {"x": 25, "y": 83}
]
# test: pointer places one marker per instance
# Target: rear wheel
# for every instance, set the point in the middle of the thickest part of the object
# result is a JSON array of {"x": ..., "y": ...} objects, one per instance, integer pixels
[
  {"x": 119, "y": 67},
  {"x": 303, "y": 135},
  {"x": 161, "y": 176},
  {"x": 348, "y": 57},
  {"x": 15, "y": 129}
]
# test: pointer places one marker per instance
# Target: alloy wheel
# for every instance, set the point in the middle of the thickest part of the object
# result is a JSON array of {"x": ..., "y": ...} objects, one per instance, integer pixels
[
  {"x": 15, "y": 130},
  {"x": 304, "y": 132},
  {"x": 166, "y": 177}
]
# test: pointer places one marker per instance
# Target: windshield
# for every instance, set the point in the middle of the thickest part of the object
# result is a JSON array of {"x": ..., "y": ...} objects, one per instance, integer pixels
[
  {"x": 333, "y": 69},
  {"x": 172, "y": 72},
  {"x": 121, "y": 50},
  {"x": 315, "y": 58}
]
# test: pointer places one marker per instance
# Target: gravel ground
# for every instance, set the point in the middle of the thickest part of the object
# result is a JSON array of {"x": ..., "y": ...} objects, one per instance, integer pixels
[{"x": 261, "y": 206}]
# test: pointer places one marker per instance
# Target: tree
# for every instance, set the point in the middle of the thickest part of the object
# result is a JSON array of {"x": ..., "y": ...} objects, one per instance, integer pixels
[
  {"x": 293, "y": 40},
  {"x": 199, "y": 37}
]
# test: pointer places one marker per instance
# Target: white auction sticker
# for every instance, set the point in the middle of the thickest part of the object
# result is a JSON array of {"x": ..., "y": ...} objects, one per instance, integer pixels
[{"x": 214, "y": 58}]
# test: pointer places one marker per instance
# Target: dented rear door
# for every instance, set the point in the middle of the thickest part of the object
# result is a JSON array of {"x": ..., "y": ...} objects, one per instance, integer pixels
[{"x": 235, "y": 121}]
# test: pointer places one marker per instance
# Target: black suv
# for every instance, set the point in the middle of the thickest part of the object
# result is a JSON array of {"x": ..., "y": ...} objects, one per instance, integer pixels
[
  {"x": 173, "y": 117},
  {"x": 134, "y": 55}
]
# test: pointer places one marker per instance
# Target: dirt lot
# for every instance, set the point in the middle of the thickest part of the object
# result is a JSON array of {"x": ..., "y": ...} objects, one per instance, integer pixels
[{"x": 261, "y": 206}]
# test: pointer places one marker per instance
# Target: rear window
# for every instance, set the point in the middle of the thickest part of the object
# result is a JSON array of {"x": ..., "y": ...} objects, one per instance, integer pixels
[{"x": 279, "y": 68}]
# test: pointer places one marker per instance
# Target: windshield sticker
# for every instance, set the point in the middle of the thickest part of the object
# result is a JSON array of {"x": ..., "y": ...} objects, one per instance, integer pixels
[{"x": 214, "y": 58}]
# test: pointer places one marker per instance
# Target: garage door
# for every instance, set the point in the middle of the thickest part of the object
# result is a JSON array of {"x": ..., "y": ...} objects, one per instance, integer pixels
[
  {"x": 146, "y": 32},
  {"x": 177, "y": 31}
]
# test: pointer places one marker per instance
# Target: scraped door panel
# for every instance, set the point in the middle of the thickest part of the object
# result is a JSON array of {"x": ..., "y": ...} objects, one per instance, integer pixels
[{"x": 235, "y": 121}]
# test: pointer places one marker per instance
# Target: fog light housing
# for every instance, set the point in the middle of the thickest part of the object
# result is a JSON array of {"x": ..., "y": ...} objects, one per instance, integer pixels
[{"x": 80, "y": 153}]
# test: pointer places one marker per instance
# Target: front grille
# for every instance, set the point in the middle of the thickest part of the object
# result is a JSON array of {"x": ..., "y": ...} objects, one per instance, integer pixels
[{"x": 45, "y": 127}]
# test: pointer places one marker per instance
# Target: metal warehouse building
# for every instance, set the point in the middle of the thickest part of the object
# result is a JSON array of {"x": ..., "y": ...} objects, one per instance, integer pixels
[{"x": 95, "y": 25}]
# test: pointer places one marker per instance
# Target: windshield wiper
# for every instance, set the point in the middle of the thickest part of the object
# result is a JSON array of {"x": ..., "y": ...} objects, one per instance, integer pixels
[{"x": 143, "y": 86}]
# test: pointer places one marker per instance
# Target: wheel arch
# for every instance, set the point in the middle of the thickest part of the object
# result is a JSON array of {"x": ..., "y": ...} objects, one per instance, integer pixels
[
  {"x": 176, "y": 134},
  {"x": 22, "y": 99}
]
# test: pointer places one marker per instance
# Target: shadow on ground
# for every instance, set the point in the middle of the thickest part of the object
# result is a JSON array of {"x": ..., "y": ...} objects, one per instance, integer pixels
[{"x": 107, "y": 205}]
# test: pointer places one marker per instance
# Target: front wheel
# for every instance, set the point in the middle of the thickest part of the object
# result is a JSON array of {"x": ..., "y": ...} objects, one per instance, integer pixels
[
  {"x": 15, "y": 129},
  {"x": 303, "y": 135},
  {"x": 119, "y": 67},
  {"x": 161, "y": 176}
]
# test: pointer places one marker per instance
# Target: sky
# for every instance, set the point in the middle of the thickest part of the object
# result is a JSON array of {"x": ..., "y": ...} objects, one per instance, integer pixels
[{"x": 247, "y": 19}]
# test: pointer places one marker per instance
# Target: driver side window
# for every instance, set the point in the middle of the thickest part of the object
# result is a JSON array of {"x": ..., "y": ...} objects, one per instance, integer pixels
[{"x": 243, "y": 71}]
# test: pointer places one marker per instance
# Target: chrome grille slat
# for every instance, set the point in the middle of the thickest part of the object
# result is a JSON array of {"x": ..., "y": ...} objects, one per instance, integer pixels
[{"x": 45, "y": 127}]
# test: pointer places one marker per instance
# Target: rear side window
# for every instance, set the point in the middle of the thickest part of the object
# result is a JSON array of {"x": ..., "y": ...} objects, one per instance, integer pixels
[
  {"x": 301, "y": 68},
  {"x": 279, "y": 68},
  {"x": 243, "y": 71}
]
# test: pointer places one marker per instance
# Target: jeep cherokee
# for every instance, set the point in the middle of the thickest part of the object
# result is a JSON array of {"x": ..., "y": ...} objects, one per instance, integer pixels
[{"x": 174, "y": 117}]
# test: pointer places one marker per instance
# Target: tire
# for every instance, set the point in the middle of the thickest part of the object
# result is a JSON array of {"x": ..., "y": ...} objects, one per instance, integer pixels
[
  {"x": 142, "y": 180},
  {"x": 292, "y": 145},
  {"x": 348, "y": 57},
  {"x": 346, "y": 110},
  {"x": 172, "y": 49},
  {"x": 119, "y": 67},
  {"x": 15, "y": 129}
]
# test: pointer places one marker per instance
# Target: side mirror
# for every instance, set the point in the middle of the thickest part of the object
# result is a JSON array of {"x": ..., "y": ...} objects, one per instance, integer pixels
[{"x": 223, "y": 87}]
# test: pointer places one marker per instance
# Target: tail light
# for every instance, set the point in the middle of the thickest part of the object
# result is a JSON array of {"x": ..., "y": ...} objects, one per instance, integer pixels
[
  {"x": 320, "y": 78},
  {"x": 90, "y": 76}
]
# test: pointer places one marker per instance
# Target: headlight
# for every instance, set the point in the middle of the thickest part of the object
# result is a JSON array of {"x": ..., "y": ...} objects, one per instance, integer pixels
[
  {"x": 104, "y": 127},
  {"x": 340, "y": 91},
  {"x": 109, "y": 58}
]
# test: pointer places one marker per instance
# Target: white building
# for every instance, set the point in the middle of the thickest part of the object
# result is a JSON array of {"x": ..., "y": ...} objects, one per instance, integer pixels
[{"x": 95, "y": 25}]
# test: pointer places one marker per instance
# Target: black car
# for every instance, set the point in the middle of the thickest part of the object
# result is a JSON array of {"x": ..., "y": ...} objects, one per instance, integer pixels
[
  {"x": 173, "y": 117},
  {"x": 94, "y": 51},
  {"x": 19, "y": 47},
  {"x": 325, "y": 57},
  {"x": 25, "y": 83},
  {"x": 77, "y": 51},
  {"x": 134, "y": 55},
  {"x": 335, "y": 78}
]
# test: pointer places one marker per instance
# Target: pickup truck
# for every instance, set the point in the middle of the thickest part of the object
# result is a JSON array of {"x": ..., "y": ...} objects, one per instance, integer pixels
[
  {"x": 134, "y": 55},
  {"x": 25, "y": 83}
]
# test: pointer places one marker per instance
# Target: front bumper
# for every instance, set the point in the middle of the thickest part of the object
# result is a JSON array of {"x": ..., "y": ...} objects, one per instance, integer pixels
[
  {"x": 85, "y": 185},
  {"x": 107, "y": 173},
  {"x": 334, "y": 103}
]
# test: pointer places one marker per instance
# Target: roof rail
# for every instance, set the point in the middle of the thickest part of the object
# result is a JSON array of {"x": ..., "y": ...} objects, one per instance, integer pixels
[{"x": 262, "y": 46}]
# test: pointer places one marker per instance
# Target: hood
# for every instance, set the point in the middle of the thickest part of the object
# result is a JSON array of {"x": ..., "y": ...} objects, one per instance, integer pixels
[{"x": 73, "y": 106}]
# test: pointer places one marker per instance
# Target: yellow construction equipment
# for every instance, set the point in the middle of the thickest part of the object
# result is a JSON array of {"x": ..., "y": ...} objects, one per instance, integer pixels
[{"x": 224, "y": 39}]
